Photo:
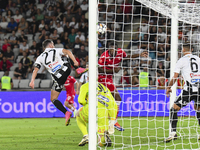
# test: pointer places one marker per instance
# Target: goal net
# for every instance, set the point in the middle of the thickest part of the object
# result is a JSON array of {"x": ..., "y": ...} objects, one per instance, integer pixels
[{"x": 138, "y": 26}]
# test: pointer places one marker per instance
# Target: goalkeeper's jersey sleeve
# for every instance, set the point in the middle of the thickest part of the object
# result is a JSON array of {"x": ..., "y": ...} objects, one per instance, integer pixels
[{"x": 83, "y": 96}]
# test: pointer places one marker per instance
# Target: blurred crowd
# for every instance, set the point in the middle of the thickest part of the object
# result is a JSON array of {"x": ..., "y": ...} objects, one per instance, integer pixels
[{"x": 24, "y": 24}]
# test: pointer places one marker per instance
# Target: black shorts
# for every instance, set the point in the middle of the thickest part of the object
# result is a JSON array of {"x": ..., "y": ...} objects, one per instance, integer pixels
[
  {"x": 59, "y": 82},
  {"x": 186, "y": 97}
]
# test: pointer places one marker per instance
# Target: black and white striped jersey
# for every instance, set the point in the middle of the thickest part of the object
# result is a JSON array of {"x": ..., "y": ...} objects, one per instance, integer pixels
[{"x": 189, "y": 66}]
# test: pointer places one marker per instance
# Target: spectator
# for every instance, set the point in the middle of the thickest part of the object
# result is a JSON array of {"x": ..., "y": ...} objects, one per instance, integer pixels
[
  {"x": 42, "y": 36},
  {"x": 12, "y": 25},
  {"x": 135, "y": 77},
  {"x": 73, "y": 23},
  {"x": 160, "y": 69},
  {"x": 54, "y": 36},
  {"x": 82, "y": 54},
  {"x": 6, "y": 82},
  {"x": 162, "y": 37},
  {"x": 59, "y": 28},
  {"x": 41, "y": 26},
  {"x": 13, "y": 8},
  {"x": 72, "y": 37},
  {"x": 22, "y": 38},
  {"x": 68, "y": 16},
  {"x": 59, "y": 44},
  {"x": 78, "y": 15},
  {"x": 162, "y": 83},
  {"x": 26, "y": 62},
  {"x": 33, "y": 49},
  {"x": 5, "y": 64},
  {"x": 84, "y": 7},
  {"x": 32, "y": 28},
  {"x": 9, "y": 15},
  {"x": 1, "y": 55},
  {"x": 53, "y": 23},
  {"x": 145, "y": 78},
  {"x": 65, "y": 40},
  {"x": 23, "y": 48},
  {"x": 12, "y": 39},
  {"x": 23, "y": 25},
  {"x": 49, "y": 3},
  {"x": 144, "y": 27},
  {"x": 17, "y": 17},
  {"x": 48, "y": 15},
  {"x": 47, "y": 29},
  {"x": 76, "y": 46},
  {"x": 5, "y": 45},
  {"x": 19, "y": 72},
  {"x": 59, "y": 15},
  {"x": 145, "y": 62},
  {"x": 39, "y": 16},
  {"x": 125, "y": 78},
  {"x": 9, "y": 54},
  {"x": 63, "y": 22},
  {"x": 67, "y": 28},
  {"x": 126, "y": 9},
  {"x": 75, "y": 7},
  {"x": 81, "y": 37},
  {"x": 161, "y": 53}
]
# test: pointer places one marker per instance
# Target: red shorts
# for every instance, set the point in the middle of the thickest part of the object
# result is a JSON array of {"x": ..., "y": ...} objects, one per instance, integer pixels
[
  {"x": 108, "y": 83},
  {"x": 70, "y": 98}
]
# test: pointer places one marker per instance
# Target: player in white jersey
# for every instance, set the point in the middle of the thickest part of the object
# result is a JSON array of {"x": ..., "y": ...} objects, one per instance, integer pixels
[
  {"x": 189, "y": 66},
  {"x": 84, "y": 78},
  {"x": 59, "y": 70}
]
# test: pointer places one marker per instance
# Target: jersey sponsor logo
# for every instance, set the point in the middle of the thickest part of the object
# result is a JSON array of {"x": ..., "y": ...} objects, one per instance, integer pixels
[
  {"x": 102, "y": 103},
  {"x": 103, "y": 98},
  {"x": 194, "y": 75},
  {"x": 195, "y": 80},
  {"x": 56, "y": 68}
]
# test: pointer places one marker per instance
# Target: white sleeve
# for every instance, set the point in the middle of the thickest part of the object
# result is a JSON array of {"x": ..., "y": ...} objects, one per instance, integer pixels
[
  {"x": 38, "y": 63},
  {"x": 82, "y": 78},
  {"x": 178, "y": 66},
  {"x": 60, "y": 51}
]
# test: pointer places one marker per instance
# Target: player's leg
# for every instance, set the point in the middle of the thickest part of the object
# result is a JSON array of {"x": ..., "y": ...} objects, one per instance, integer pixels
[
  {"x": 82, "y": 124},
  {"x": 110, "y": 85},
  {"x": 103, "y": 123},
  {"x": 69, "y": 102},
  {"x": 182, "y": 100},
  {"x": 55, "y": 91}
]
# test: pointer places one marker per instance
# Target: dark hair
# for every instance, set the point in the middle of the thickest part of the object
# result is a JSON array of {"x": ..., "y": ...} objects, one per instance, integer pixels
[
  {"x": 45, "y": 43},
  {"x": 112, "y": 44},
  {"x": 187, "y": 47}
]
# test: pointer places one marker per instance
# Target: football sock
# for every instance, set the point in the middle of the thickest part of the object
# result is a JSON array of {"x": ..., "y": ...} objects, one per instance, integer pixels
[
  {"x": 59, "y": 105},
  {"x": 173, "y": 119},
  {"x": 82, "y": 125},
  {"x": 198, "y": 116}
]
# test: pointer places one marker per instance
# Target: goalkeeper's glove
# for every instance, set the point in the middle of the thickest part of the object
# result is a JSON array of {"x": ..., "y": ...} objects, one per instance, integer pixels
[{"x": 111, "y": 129}]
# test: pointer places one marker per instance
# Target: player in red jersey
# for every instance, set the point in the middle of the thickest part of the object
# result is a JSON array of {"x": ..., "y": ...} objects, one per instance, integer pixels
[
  {"x": 108, "y": 65},
  {"x": 69, "y": 86}
]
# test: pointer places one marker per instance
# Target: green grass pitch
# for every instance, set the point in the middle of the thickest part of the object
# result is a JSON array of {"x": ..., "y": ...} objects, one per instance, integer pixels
[{"x": 52, "y": 134}]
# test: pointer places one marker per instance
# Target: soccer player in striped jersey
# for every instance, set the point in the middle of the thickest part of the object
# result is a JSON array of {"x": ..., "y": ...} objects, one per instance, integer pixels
[
  {"x": 59, "y": 70},
  {"x": 189, "y": 66},
  {"x": 107, "y": 110}
]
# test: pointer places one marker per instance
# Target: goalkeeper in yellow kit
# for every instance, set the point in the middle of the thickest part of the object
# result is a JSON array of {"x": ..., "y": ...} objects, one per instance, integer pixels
[{"x": 107, "y": 110}]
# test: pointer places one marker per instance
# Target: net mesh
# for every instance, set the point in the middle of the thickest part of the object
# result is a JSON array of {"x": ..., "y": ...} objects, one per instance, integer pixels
[{"x": 145, "y": 26}]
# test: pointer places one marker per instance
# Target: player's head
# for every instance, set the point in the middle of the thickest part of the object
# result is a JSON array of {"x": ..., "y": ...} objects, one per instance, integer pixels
[
  {"x": 187, "y": 48},
  {"x": 47, "y": 44},
  {"x": 112, "y": 49}
]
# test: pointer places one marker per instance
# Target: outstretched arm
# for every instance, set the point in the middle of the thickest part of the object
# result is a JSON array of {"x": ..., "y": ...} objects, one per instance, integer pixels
[
  {"x": 69, "y": 53},
  {"x": 35, "y": 71},
  {"x": 171, "y": 83}
]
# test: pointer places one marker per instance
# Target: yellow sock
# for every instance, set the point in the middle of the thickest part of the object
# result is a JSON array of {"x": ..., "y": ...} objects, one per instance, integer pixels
[
  {"x": 102, "y": 142},
  {"x": 82, "y": 125}
]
